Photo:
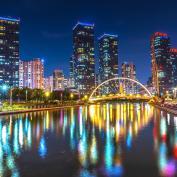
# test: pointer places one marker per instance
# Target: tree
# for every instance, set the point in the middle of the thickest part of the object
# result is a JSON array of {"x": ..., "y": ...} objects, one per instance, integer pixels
[{"x": 37, "y": 94}]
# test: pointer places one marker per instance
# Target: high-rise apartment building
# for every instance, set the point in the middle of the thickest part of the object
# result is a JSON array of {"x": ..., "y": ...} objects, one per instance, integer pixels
[
  {"x": 31, "y": 74},
  {"x": 129, "y": 70},
  {"x": 160, "y": 59},
  {"x": 48, "y": 83},
  {"x": 173, "y": 60},
  {"x": 9, "y": 51},
  {"x": 58, "y": 80},
  {"x": 108, "y": 57},
  {"x": 71, "y": 73},
  {"x": 83, "y": 57}
]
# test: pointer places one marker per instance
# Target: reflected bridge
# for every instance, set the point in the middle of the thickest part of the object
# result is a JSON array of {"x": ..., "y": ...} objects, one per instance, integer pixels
[{"x": 120, "y": 88}]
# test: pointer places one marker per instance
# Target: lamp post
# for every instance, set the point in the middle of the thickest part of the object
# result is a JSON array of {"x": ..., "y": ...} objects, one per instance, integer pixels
[
  {"x": 11, "y": 90},
  {"x": 5, "y": 88},
  {"x": 26, "y": 95},
  {"x": 175, "y": 92},
  {"x": 71, "y": 96},
  {"x": 47, "y": 94},
  {"x": 61, "y": 97}
]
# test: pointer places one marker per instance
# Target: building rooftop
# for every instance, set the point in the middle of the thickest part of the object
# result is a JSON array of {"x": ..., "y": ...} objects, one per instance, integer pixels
[
  {"x": 83, "y": 24},
  {"x": 160, "y": 34},
  {"x": 174, "y": 50},
  {"x": 9, "y": 19},
  {"x": 107, "y": 35}
]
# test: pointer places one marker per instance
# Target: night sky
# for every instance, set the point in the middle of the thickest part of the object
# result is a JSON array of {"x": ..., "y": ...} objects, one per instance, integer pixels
[{"x": 46, "y": 27}]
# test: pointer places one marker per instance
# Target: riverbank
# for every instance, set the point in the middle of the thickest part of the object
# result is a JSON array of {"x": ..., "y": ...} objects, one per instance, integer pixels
[
  {"x": 39, "y": 109},
  {"x": 54, "y": 107},
  {"x": 167, "y": 109}
]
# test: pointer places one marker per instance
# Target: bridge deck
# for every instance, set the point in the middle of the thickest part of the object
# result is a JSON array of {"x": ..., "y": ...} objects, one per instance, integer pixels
[{"x": 120, "y": 97}]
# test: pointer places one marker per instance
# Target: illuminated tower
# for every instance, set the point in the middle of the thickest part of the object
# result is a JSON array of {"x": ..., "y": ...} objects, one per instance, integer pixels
[
  {"x": 108, "y": 57},
  {"x": 9, "y": 51},
  {"x": 160, "y": 59},
  {"x": 83, "y": 56}
]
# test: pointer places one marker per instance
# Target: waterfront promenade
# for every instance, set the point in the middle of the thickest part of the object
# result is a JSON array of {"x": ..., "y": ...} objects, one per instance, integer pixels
[{"x": 41, "y": 107}]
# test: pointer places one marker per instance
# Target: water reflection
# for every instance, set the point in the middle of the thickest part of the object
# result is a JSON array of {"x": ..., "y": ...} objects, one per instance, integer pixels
[
  {"x": 99, "y": 137},
  {"x": 165, "y": 140}
]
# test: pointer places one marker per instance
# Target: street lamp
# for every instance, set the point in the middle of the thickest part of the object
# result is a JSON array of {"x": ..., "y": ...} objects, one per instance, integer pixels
[
  {"x": 71, "y": 95},
  {"x": 61, "y": 97},
  {"x": 11, "y": 89},
  {"x": 85, "y": 97},
  {"x": 47, "y": 94},
  {"x": 175, "y": 92},
  {"x": 26, "y": 94},
  {"x": 4, "y": 87}
]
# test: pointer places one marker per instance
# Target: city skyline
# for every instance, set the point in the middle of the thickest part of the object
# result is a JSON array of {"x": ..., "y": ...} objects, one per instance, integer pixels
[
  {"x": 41, "y": 29},
  {"x": 88, "y": 88}
]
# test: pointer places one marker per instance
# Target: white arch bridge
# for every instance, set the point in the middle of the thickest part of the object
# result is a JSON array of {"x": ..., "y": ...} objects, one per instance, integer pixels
[{"x": 120, "y": 88}]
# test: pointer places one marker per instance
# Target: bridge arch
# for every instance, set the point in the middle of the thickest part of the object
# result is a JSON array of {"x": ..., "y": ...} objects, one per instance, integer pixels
[{"x": 123, "y": 79}]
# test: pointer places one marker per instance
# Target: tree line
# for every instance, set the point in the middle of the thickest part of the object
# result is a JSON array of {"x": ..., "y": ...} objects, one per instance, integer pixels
[{"x": 27, "y": 94}]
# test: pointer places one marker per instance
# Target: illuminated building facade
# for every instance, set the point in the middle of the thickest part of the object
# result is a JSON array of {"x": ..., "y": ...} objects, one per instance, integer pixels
[
  {"x": 58, "y": 80},
  {"x": 9, "y": 51},
  {"x": 31, "y": 74},
  {"x": 48, "y": 83},
  {"x": 108, "y": 57},
  {"x": 71, "y": 73},
  {"x": 129, "y": 70},
  {"x": 173, "y": 60},
  {"x": 84, "y": 59},
  {"x": 160, "y": 59}
]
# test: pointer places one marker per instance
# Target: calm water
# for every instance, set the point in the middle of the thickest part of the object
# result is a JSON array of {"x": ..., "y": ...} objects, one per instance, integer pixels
[{"x": 108, "y": 140}]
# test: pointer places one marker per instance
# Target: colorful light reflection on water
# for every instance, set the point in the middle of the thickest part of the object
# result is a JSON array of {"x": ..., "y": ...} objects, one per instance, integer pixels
[{"x": 104, "y": 140}]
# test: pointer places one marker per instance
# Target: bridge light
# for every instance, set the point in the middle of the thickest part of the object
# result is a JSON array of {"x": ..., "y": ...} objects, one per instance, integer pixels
[{"x": 85, "y": 97}]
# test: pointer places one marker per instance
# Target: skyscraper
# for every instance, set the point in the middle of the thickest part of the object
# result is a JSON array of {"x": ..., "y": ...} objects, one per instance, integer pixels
[
  {"x": 71, "y": 73},
  {"x": 173, "y": 60},
  {"x": 31, "y": 74},
  {"x": 84, "y": 60},
  {"x": 9, "y": 51},
  {"x": 48, "y": 83},
  {"x": 58, "y": 80},
  {"x": 129, "y": 70},
  {"x": 108, "y": 57},
  {"x": 160, "y": 58}
]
